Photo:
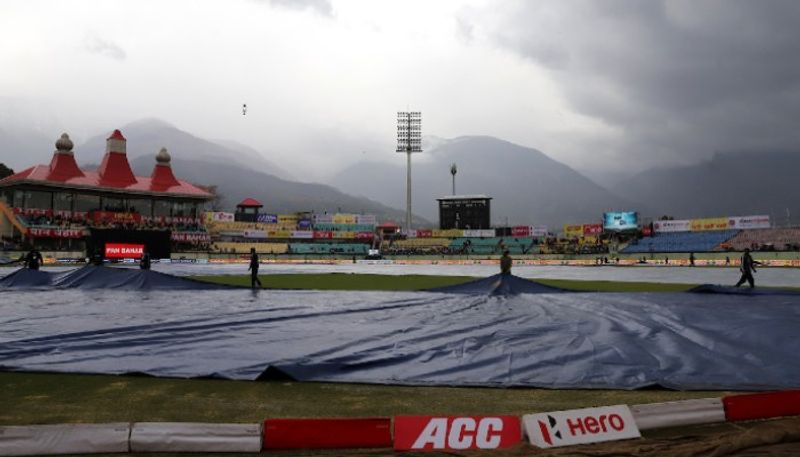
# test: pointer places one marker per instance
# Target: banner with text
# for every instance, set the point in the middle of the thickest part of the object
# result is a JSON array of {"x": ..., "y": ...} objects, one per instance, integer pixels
[
  {"x": 672, "y": 226},
  {"x": 580, "y": 426},
  {"x": 707, "y": 224},
  {"x": 573, "y": 231},
  {"x": 55, "y": 233},
  {"x": 124, "y": 251},
  {"x": 190, "y": 237},
  {"x": 592, "y": 229},
  {"x": 267, "y": 218},
  {"x": 426, "y": 433},
  {"x": 749, "y": 222}
]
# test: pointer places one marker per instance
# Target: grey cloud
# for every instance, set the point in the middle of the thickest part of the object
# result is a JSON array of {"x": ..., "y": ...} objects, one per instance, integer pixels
[
  {"x": 97, "y": 45},
  {"x": 322, "y": 7},
  {"x": 677, "y": 78}
]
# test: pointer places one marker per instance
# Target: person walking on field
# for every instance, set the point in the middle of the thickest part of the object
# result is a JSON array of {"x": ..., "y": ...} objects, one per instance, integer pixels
[
  {"x": 254, "y": 269},
  {"x": 144, "y": 262},
  {"x": 33, "y": 260},
  {"x": 505, "y": 263},
  {"x": 748, "y": 267}
]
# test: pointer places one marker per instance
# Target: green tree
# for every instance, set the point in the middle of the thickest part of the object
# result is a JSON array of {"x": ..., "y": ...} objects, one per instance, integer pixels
[{"x": 5, "y": 171}]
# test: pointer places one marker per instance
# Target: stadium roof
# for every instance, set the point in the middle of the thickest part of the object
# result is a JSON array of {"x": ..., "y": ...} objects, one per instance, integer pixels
[
  {"x": 465, "y": 197},
  {"x": 114, "y": 173},
  {"x": 250, "y": 202}
]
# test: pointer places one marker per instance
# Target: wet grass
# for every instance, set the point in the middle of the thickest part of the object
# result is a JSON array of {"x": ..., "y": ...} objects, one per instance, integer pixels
[{"x": 43, "y": 398}]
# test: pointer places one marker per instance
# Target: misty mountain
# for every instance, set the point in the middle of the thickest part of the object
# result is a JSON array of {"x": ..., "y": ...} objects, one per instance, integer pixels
[
  {"x": 21, "y": 148},
  {"x": 147, "y": 136},
  {"x": 211, "y": 164},
  {"x": 235, "y": 183},
  {"x": 527, "y": 186},
  {"x": 729, "y": 184}
]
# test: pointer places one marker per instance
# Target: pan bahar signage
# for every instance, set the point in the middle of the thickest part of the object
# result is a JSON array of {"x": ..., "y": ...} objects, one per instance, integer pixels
[{"x": 124, "y": 251}]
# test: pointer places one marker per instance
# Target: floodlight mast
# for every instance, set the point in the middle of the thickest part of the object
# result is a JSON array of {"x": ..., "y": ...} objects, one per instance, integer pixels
[
  {"x": 409, "y": 140},
  {"x": 453, "y": 171}
]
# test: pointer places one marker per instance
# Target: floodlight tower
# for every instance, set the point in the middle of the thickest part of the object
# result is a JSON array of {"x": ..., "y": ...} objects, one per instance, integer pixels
[
  {"x": 453, "y": 171},
  {"x": 409, "y": 140}
]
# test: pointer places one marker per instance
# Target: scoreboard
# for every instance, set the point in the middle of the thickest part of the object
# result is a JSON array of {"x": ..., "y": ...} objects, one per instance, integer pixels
[{"x": 468, "y": 212}]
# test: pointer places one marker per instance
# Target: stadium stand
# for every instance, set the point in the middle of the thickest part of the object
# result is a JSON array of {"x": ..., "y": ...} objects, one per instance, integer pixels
[
  {"x": 492, "y": 245},
  {"x": 227, "y": 226},
  {"x": 681, "y": 242},
  {"x": 417, "y": 246},
  {"x": 328, "y": 248},
  {"x": 773, "y": 239},
  {"x": 244, "y": 248},
  {"x": 330, "y": 227}
]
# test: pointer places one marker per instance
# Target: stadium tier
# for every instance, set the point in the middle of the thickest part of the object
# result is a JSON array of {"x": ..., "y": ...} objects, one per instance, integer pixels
[
  {"x": 422, "y": 242},
  {"x": 681, "y": 242},
  {"x": 328, "y": 248},
  {"x": 244, "y": 248},
  {"x": 330, "y": 227},
  {"x": 492, "y": 245},
  {"x": 778, "y": 239}
]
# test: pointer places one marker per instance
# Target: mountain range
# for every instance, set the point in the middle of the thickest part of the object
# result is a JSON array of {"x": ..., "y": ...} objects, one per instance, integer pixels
[
  {"x": 526, "y": 185},
  {"x": 237, "y": 171}
]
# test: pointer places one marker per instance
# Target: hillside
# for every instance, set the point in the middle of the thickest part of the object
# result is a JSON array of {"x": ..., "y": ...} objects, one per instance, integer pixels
[
  {"x": 729, "y": 184},
  {"x": 527, "y": 186}
]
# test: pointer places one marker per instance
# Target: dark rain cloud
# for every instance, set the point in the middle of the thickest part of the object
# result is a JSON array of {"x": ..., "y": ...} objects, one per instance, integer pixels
[{"x": 678, "y": 79}]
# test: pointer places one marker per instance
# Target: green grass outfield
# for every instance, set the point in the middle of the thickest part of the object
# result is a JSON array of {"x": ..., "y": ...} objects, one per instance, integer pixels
[
  {"x": 355, "y": 281},
  {"x": 42, "y": 398}
]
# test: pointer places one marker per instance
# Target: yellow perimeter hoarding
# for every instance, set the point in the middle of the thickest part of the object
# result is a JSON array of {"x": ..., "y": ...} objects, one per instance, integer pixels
[{"x": 712, "y": 223}]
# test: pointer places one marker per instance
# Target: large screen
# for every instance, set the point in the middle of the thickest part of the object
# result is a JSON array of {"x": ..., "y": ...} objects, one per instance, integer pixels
[
  {"x": 124, "y": 251},
  {"x": 625, "y": 220}
]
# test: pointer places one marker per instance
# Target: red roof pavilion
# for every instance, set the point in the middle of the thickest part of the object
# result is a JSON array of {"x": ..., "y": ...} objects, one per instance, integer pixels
[{"x": 113, "y": 174}]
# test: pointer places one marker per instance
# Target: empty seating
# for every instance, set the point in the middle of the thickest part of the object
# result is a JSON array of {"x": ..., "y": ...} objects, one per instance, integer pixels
[
  {"x": 491, "y": 245},
  {"x": 681, "y": 242},
  {"x": 773, "y": 238},
  {"x": 328, "y": 248},
  {"x": 244, "y": 248}
]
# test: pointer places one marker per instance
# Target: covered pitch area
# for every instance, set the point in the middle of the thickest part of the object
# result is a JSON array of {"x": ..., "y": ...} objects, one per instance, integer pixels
[{"x": 501, "y": 331}]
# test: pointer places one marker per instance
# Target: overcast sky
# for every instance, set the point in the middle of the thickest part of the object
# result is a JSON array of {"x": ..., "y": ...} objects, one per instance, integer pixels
[{"x": 597, "y": 84}]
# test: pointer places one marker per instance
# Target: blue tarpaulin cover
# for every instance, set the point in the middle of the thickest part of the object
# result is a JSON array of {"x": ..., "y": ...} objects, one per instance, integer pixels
[
  {"x": 553, "y": 340},
  {"x": 499, "y": 284},
  {"x": 98, "y": 277},
  {"x": 742, "y": 291}
]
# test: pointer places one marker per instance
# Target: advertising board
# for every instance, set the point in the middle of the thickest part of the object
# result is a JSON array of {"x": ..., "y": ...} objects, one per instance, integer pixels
[
  {"x": 580, "y": 426},
  {"x": 672, "y": 226},
  {"x": 456, "y": 432},
  {"x": 124, "y": 251},
  {"x": 707, "y": 224},
  {"x": 592, "y": 229},
  {"x": 624, "y": 220},
  {"x": 749, "y": 222},
  {"x": 573, "y": 230}
]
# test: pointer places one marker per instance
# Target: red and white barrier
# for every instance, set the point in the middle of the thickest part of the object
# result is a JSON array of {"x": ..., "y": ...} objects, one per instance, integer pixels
[
  {"x": 426, "y": 433},
  {"x": 762, "y": 406},
  {"x": 678, "y": 413},
  {"x": 195, "y": 437},
  {"x": 347, "y": 433},
  {"x": 64, "y": 439},
  {"x": 410, "y": 432}
]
